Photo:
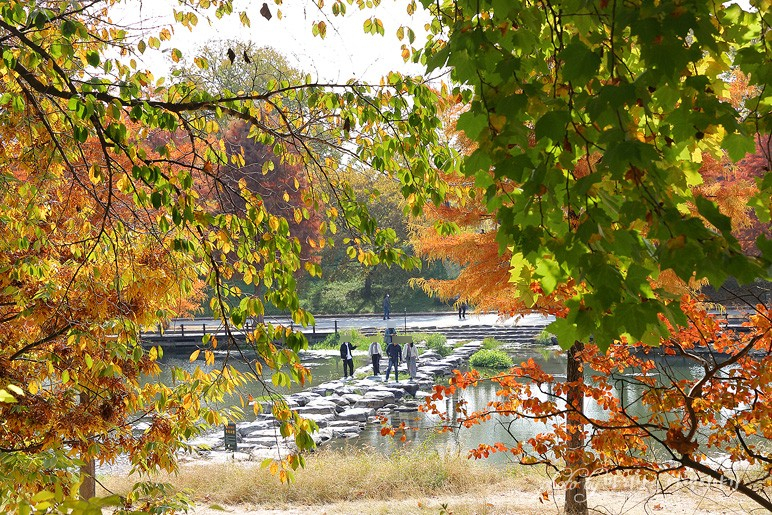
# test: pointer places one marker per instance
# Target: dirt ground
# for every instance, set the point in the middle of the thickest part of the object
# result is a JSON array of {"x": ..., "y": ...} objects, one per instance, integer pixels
[{"x": 693, "y": 500}]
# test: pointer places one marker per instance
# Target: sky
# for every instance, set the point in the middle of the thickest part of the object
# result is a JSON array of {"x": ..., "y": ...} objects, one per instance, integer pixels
[{"x": 346, "y": 52}]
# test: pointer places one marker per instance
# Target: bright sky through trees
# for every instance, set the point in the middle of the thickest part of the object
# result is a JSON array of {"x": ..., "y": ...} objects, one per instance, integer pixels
[{"x": 345, "y": 53}]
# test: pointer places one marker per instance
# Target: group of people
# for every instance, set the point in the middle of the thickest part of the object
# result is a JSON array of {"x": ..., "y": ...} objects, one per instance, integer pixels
[{"x": 394, "y": 352}]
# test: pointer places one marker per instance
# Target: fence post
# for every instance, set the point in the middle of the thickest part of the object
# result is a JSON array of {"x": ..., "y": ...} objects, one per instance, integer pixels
[
  {"x": 405, "y": 319},
  {"x": 203, "y": 328},
  {"x": 182, "y": 329},
  {"x": 336, "y": 327}
]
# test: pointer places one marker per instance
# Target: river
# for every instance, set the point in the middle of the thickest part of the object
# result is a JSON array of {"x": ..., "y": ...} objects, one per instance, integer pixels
[{"x": 326, "y": 365}]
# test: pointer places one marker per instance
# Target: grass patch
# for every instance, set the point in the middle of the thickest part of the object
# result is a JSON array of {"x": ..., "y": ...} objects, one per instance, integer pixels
[
  {"x": 434, "y": 341},
  {"x": 361, "y": 474},
  {"x": 333, "y": 341},
  {"x": 491, "y": 359},
  {"x": 491, "y": 343}
]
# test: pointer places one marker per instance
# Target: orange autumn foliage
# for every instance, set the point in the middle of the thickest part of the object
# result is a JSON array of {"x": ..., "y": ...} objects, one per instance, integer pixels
[{"x": 652, "y": 422}]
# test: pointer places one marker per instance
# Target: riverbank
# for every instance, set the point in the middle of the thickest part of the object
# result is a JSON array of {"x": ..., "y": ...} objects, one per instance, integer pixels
[{"x": 421, "y": 482}]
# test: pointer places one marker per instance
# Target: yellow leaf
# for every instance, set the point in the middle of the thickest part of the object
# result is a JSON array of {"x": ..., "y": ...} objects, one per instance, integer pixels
[
  {"x": 194, "y": 356},
  {"x": 15, "y": 389}
]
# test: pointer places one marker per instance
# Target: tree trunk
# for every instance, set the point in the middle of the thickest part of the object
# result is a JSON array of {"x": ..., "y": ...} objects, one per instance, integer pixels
[
  {"x": 88, "y": 484},
  {"x": 88, "y": 471},
  {"x": 576, "y": 492}
]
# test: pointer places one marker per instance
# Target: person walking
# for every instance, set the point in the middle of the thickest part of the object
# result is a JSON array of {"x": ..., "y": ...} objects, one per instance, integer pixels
[
  {"x": 347, "y": 355},
  {"x": 394, "y": 352},
  {"x": 410, "y": 354},
  {"x": 463, "y": 310},
  {"x": 386, "y": 306},
  {"x": 375, "y": 355}
]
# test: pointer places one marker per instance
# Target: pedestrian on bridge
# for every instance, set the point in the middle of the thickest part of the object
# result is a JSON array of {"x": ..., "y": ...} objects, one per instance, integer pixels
[{"x": 386, "y": 306}]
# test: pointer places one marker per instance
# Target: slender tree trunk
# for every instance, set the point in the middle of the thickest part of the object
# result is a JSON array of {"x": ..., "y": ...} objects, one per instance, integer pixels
[
  {"x": 88, "y": 485},
  {"x": 576, "y": 492},
  {"x": 88, "y": 471}
]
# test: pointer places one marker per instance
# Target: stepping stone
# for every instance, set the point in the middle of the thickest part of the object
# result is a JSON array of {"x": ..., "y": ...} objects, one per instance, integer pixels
[{"x": 358, "y": 414}]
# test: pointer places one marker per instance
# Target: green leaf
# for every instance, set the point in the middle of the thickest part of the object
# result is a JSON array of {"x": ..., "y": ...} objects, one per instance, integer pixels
[
  {"x": 552, "y": 125},
  {"x": 93, "y": 58},
  {"x": 579, "y": 63},
  {"x": 738, "y": 146}
]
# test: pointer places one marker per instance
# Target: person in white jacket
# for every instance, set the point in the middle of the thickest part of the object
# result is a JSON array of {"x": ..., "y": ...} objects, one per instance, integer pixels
[
  {"x": 410, "y": 356},
  {"x": 375, "y": 355}
]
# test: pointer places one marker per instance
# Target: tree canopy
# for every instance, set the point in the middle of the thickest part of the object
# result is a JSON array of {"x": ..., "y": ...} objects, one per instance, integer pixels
[
  {"x": 109, "y": 226},
  {"x": 636, "y": 91}
]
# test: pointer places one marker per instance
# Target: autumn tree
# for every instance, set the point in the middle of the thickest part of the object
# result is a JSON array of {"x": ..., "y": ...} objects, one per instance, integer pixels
[
  {"x": 589, "y": 122},
  {"x": 651, "y": 422},
  {"x": 105, "y": 229}
]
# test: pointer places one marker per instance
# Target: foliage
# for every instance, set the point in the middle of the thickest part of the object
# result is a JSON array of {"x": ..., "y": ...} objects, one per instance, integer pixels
[
  {"x": 490, "y": 358},
  {"x": 589, "y": 123},
  {"x": 544, "y": 338},
  {"x": 251, "y": 69},
  {"x": 336, "y": 292},
  {"x": 715, "y": 425},
  {"x": 108, "y": 224},
  {"x": 491, "y": 343},
  {"x": 334, "y": 340},
  {"x": 434, "y": 341}
]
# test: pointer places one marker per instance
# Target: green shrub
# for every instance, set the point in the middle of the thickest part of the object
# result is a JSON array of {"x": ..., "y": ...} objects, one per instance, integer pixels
[
  {"x": 543, "y": 338},
  {"x": 487, "y": 358},
  {"x": 434, "y": 341},
  {"x": 491, "y": 343}
]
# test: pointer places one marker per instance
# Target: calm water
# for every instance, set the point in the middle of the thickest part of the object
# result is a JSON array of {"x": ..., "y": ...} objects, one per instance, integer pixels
[{"x": 326, "y": 366}]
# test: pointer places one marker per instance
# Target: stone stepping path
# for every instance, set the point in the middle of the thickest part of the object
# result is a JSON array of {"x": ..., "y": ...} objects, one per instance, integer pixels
[{"x": 341, "y": 408}]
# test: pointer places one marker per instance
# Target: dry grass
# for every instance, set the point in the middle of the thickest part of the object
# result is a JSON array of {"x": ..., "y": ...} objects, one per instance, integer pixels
[
  {"x": 423, "y": 482},
  {"x": 334, "y": 476}
]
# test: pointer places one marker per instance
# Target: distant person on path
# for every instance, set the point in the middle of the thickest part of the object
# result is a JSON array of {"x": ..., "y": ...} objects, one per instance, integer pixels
[
  {"x": 375, "y": 355},
  {"x": 386, "y": 306},
  {"x": 394, "y": 352},
  {"x": 410, "y": 354},
  {"x": 462, "y": 311},
  {"x": 346, "y": 354}
]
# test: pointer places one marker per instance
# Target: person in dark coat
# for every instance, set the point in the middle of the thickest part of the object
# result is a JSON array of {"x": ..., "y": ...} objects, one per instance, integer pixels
[
  {"x": 347, "y": 355},
  {"x": 394, "y": 352},
  {"x": 386, "y": 306}
]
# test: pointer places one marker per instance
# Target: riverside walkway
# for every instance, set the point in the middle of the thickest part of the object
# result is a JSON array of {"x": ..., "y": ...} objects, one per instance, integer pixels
[{"x": 187, "y": 333}]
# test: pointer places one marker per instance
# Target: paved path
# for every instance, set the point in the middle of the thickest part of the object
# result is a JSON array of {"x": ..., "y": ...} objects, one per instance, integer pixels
[
  {"x": 327, "y": 323},
  {"x": 186, "y": 333}
]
